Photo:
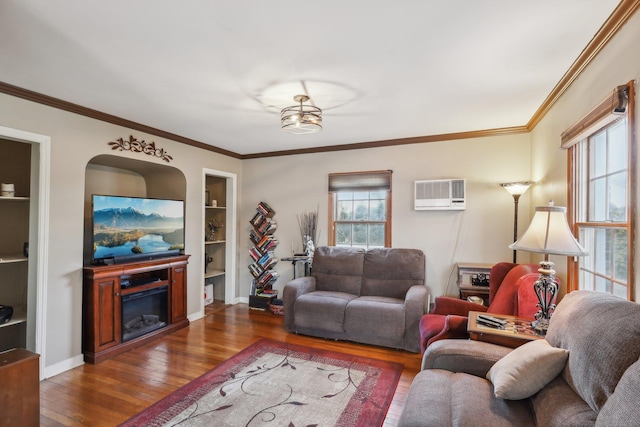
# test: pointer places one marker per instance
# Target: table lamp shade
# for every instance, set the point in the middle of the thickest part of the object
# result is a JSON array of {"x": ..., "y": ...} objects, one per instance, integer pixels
[{"x": 549, "y": 233}]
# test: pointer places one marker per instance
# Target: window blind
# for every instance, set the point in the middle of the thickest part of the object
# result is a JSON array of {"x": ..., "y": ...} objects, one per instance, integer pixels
[
  {"x": 609, "y": 110},
  {"x": 360, "y": 181}
]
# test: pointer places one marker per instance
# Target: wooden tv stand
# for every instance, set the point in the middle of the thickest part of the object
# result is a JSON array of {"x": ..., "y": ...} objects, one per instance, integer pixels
[{"x": 101, "y": 303}]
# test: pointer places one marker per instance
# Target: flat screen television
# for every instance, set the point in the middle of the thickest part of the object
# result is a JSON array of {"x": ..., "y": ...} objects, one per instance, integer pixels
[{"x": 129, "y": 228}]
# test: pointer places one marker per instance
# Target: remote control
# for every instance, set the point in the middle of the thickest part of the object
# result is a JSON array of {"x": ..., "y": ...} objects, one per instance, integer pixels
[
  {"x": 489, "y": 324},
  {"x": 492, "y": 319}
]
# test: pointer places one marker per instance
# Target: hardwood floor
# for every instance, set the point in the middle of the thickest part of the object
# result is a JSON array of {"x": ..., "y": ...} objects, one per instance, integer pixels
[{"x": 114, "y": 390}]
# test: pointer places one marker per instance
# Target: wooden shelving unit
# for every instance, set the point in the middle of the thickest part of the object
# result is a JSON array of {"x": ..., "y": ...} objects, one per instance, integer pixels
[
  {"x": 15, "y": 167},
  {"x": 215, "y": 249},
  {"x": 263, "y": 257}
]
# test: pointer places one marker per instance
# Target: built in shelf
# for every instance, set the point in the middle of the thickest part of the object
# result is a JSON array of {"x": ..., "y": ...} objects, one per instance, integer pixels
[
  {"x": 19, "y": 316},
  {"x": 214, "y": 242},
  {"x": 213, "y": 273},
  {"x": 216, "y": 207},
  {"x": 14, "y": 199},
  {"x": 10, "y": 258}
]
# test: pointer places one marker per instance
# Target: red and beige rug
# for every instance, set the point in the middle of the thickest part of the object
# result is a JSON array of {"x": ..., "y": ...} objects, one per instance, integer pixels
[{"x": 278, "y": 384}]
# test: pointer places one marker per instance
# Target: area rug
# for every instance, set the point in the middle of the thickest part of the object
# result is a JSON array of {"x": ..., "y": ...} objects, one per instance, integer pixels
[{"x": 278, "y": 384}]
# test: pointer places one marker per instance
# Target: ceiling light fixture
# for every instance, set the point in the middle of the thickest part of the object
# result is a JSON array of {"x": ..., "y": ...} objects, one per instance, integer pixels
[{"x": 301, "y": 119}]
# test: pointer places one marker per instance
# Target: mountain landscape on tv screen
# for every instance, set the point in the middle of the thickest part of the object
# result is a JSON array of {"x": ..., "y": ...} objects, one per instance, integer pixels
[
  {"x": 123, "y": 231},
  {"x": 130, "y": 218}
]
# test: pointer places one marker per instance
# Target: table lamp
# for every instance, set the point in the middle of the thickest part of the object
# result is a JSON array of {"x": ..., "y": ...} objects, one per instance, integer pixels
[{"x": 548, "y": 234}]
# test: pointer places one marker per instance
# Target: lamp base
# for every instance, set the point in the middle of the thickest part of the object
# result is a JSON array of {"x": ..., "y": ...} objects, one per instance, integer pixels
[
  {"x": 540, "y": 326},
  {"x": 545, "y": 288}
]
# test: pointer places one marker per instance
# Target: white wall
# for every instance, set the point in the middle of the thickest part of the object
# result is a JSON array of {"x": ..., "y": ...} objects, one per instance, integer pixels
[
  {"x": 75, "y": 140},
  {"x": 481, "y": 233},
  {"x": 617, "y": 64}
]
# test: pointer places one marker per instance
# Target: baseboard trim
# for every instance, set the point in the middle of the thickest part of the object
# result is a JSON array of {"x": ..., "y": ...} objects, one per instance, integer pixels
[{"x": 60, "y": 367}]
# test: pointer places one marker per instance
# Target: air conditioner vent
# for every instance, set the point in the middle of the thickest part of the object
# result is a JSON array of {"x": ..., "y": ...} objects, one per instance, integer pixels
[{"x": 439, "y": 194}]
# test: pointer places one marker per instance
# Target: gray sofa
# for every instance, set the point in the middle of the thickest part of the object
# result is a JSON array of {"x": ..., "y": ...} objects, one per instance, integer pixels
[
  {"x": 373, "y": 297},
  {"x": 598, "y": 385}
]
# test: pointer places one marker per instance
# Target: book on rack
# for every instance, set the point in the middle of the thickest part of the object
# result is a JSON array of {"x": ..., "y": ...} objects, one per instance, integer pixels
[
  {"x": 267, "y": 244},
  {"x": 255, "y": 254},
  {"x": 257, "y": 219},
  {"x": 267, "y": 278},
  {"x": 265, "y": 209},
  {"x": 267, "y": 227},
  {"x": 267, "y": 259},
  {"x": 255, "y": 237},
  {"x": 255, "y": 270}
]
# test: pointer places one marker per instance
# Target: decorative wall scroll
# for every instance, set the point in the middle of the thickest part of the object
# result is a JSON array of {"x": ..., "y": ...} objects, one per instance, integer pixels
[{"x": 140, "y": 147}]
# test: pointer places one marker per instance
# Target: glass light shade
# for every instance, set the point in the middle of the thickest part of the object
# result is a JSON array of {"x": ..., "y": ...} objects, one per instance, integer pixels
[
  {"x": 517, "y": 188},
  {"x": 549, "y": 233},
  {"x": 301, "y": 119}
]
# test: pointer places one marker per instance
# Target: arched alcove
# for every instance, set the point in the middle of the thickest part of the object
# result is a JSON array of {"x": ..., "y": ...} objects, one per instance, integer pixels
[{"x": 120, "y": 176}]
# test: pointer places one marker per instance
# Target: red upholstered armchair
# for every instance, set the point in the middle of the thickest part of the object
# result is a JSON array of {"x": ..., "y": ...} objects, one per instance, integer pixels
[{"x": 510, "y": 292}]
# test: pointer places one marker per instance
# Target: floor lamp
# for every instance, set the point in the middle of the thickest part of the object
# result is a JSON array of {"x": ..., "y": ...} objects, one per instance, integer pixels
[
  {"x": 548, "y": 234},
  {"x": 516, "y": 189}
]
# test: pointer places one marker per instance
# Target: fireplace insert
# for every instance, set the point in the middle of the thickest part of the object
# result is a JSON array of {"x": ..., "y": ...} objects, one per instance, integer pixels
[{"x": 144, "y": 312}]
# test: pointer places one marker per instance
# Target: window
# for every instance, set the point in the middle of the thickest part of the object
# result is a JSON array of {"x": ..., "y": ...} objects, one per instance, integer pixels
[
  {"x": 602, "y": 161},
  {"x": 360, "y": 209}
]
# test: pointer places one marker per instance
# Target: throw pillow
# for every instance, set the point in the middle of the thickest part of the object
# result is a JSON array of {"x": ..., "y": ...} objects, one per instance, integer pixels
[{"x": 526, "y": 370}]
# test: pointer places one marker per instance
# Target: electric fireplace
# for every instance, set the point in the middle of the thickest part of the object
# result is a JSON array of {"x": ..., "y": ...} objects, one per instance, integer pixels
[{"x": 144, "y": 312}]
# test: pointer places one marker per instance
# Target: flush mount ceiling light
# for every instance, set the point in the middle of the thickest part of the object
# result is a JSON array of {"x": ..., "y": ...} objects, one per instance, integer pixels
[{"x": 301, "y": 119}]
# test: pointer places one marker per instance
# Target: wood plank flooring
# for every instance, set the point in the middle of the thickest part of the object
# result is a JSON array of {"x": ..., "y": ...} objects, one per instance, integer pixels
[{"x": 116, "y": 389}]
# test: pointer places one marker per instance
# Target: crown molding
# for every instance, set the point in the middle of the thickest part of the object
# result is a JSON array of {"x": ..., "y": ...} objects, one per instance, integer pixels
[
  {"x": 50, "y": 101},
  {"x": 394, "y": 142}
]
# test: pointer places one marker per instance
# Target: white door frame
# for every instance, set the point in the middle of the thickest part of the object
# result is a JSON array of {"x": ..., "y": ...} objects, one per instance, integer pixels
[
  {"x": 43, "y": 232},
  {"x": 231, "y": 232}
]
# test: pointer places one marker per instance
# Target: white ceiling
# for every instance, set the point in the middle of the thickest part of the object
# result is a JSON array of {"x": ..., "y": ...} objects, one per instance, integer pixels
[{"x": 218, "y": 72}]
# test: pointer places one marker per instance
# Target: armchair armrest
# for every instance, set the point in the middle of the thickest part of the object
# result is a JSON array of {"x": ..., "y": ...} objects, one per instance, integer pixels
[
  {"x": 468, "y": 356},
  {"x": 291, "y": 293},
  {"x": 449, "y": 305}
]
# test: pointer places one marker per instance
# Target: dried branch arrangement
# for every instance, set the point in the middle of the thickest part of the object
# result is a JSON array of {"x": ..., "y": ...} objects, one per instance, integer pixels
[{"x": 308, "y": 223}]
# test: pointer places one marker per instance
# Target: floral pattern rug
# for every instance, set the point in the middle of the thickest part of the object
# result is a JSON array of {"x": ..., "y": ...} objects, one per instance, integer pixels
[{"x": 278, "y": 384}]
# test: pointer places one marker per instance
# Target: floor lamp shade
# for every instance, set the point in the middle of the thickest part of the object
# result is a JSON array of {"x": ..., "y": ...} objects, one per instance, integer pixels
[{"x": 516, "y": 189}]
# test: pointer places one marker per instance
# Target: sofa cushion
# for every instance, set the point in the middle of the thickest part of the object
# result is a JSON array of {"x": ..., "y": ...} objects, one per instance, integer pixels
[
  {"x": 557, "y": 405},
  {"x": 338, "y": 269},
  {"x": 598, "y": 355},
  {"x": 622, "y": 406},
  {"x": 526, "y": 369},
  {"x": 322, "y": 310},
  {"x": 390, "y": 272},
  {"x": 442, "y": 398},
  {"x": 376, "y": 320}
]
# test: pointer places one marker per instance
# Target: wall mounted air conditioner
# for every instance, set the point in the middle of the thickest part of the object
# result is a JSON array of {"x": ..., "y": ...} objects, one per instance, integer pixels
[{"x": 439, "y": 194}]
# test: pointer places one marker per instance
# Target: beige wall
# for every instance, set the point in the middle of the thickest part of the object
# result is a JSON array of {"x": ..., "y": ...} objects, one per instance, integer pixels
[
  {"x": 617, "y": 64},
  {"x": 75, "y": 140},
  {"x": 481, "y": 233}
]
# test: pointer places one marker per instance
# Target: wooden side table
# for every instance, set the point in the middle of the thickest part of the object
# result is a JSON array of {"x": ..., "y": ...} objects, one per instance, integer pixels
[
  {"x": 473, "y": 280},
  {"x": 19, "y": 388},
  {"x": 518, "y": 331},
  {"x": 304, "y": 259}
]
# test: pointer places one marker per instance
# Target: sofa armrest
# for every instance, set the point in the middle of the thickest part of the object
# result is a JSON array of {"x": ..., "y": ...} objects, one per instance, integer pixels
[
  {"x": 467, "y": 356},
  {"x": 460, "y": 307},
  {"x": 415, "y": 304},
  {"x": 291, "y": 293}
]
